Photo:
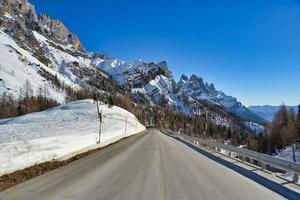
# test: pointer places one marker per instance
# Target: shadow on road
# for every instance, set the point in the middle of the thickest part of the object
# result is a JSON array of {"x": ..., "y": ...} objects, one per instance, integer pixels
[{"x": 276, "y": 187}]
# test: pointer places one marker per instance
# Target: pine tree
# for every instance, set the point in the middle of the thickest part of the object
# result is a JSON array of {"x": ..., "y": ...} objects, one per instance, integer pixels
[
  {"x": 284, "y": 128},
  {"x": 110, "y": 101},
  {"x": 280, "y": 121},
  {"x": 298, "y": 121}
]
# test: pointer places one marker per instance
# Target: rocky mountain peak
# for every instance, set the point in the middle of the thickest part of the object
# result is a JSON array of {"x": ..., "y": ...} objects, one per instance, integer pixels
[
  {"x": 197, "y": 88},
  {"x": 15, "y": 7},
  {"x": 58, "y": 31},
  {"x": 197, "y": 82},
  {"x": 183, "y": 78},
  {"x": 25, "y": 17},
  {"x": 163, "y": 65},
  {"x": 196, "y": 79},
  {"x": 102, "y": 56}
]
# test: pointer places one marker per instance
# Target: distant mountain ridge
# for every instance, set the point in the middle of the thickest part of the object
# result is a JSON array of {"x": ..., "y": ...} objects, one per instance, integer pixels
[
  {"x": 267, "y": 112},
  {"x": 197, "y": 88}
]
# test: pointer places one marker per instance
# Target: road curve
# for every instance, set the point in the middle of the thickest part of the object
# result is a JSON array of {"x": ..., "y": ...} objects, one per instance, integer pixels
[{"x": 148, "y": 166}]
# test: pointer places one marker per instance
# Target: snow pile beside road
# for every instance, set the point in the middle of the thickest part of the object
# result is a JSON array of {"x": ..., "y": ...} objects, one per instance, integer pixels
[{"x": 60, "y": 131}]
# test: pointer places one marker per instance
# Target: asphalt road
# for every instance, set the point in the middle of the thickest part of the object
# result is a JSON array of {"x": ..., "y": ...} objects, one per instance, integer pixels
[{"x": 146, "y": 166}]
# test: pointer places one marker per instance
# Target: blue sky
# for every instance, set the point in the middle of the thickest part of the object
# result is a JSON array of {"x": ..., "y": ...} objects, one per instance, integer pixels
[{"x": 248, "y": 49}]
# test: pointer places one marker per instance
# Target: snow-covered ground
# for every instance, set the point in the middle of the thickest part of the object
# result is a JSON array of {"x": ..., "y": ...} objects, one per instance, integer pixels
[
  {"x": 287, "y": 154},
  {"x": 60, "y": 131}
]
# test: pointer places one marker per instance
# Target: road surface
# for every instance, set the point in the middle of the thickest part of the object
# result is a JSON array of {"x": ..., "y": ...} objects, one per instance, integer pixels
[{"x": 148, "y": 166}]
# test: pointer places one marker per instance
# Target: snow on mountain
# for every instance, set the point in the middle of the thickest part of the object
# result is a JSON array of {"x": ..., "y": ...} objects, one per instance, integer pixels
[
  {"x": 39, "y": 50},
  {"x": 152, "y": 80},
  {"x": 197, "y": 88},
  {"x": 60, "y": 131},
  {"x": 28, "y": 54},
  {"x": 154, "y": 83},
  {"x": 24, "y": 13},
  {"x": 267, "y": 112},
  {"x": 135, "y": 73},
  {"x": 58, "y": 31},
  {"x": 18, "y": 66}
]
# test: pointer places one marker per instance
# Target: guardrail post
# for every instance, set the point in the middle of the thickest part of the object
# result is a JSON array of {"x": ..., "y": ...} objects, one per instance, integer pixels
[
  {"x": 125, "y": 125},
  {"x": 244, "y": 158},
  {"x": 100, "y": 120},
  {"x": 263, "y": 165},
  {"x": 295, "y": 177}
]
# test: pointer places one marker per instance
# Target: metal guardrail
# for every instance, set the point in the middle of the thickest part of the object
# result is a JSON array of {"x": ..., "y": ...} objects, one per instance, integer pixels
[{"x": 263, "y": 158}]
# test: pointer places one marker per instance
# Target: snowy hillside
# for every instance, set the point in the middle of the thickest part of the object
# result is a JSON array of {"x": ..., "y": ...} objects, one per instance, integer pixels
[
  {"x": 32, "y": 56},
  {"x": 255, "y": 127},
  {"x": 57, "y": 132},
  {"x": 18, "y": 66}
]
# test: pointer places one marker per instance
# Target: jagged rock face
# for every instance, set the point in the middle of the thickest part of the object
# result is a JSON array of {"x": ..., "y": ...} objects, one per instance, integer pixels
[
  {"x": 150, "y": 82},
  {"x": 135, "y": 74},
  {"x": 26, "y": 18},
  {"x": 196, "y": 88},
  {"x": 58, "y": 31},
  {"x": 183, "y": 78},
  {"x": 102, "y": 56},
  {"x": 15, "y": 7}
]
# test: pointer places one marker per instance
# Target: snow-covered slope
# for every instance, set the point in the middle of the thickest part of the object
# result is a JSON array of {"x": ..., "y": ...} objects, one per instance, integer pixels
[
  {"x": 195, "y": 87},
  {"x": 29, "y": 55},
  {"x": 255, "y": 127},
  {"x": 267, "y": 112},
  {"x": 153, "y": 81},
  {"x": 57, "y": 132},
  {"x": 18, "y": 66}
]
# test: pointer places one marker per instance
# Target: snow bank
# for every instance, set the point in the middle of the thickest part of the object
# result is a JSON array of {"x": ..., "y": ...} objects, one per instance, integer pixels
[{"x": 59, "y": 132}]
